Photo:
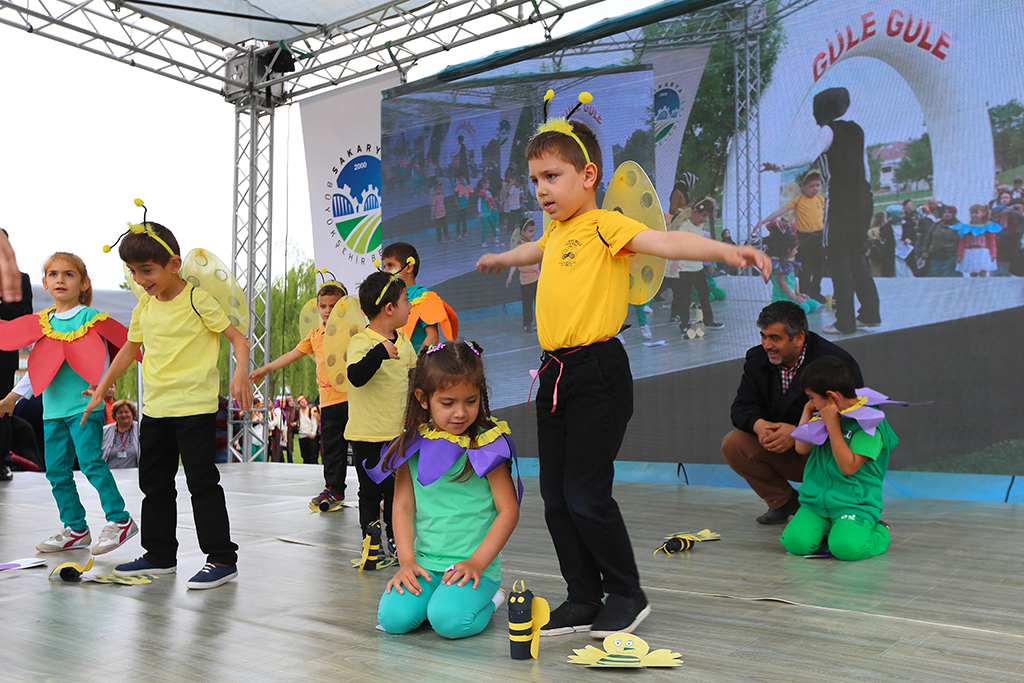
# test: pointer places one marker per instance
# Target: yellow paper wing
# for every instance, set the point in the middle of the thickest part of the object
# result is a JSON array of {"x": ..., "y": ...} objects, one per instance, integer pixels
[
  {"x": 309, "y": 318},
  {"x": 204, "y": 270},
  {"x": 540, "y": 613},
  {"x": 631, "y": 193},
  {"x": 139, "y": 292},
  {"x": 346, "y": 319}
]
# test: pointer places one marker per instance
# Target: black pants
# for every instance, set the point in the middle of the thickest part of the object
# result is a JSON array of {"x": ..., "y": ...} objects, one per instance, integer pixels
[
  {"x": 310, "y": 450},
  {"x": 161, "y": 441},
  {"x": 851, "y": 275},
  {"x": 682, "y": 287},
  {"x": 529, "y": 293},
  {"x": 578, "y": 440},
  {"x": 8, "y": 364},
  {"x": 812, "y": 263},
  {"x": 370, "y": 492},
  {"x": 333, "y": 420}
]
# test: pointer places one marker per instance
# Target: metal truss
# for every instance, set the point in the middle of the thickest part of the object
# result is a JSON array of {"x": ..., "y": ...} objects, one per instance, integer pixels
[
  {"x": 128, "y": 37},
  {"x": 250, "y": 257},
  {"x": 750, "y": 25}
]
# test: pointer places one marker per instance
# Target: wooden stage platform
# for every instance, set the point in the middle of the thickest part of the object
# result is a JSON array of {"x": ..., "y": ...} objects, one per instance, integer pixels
[{"x": 944, "y": 604}]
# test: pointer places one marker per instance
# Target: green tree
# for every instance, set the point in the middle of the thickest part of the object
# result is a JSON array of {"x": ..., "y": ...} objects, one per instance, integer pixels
[
  {"x": 287, "y": 297},
  {"x": 1008, "y": 133},
  {"x": 639, "y": 147},
  {"x": 712, "y": 122},
  {"x": 875, "y": 168},
  {"x": 916, "y": 164}
]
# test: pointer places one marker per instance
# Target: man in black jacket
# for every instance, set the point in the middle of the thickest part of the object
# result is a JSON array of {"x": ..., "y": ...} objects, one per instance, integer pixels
[
  {"x": 768, "y": 405},
  {"x": 9, "y": 310}
]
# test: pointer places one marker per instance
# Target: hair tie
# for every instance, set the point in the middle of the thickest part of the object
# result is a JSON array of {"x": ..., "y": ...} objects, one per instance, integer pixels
[
  {"x": 436, "y": 347},
  {"x": 472, "y": 346}
]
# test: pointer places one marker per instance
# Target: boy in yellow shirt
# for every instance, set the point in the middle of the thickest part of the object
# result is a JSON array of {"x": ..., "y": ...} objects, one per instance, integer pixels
[
  {"x": 333, "y": 403},
  {"x": 379, "y": 360},
  {"x": 181, "y": 326},
  {"x": 585, "y": 397}
]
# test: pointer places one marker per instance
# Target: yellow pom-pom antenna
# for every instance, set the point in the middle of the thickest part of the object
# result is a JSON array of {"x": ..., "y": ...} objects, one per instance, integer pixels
[
  {"x": 549, "y": 95},
  {"x": 107, "y": 248},
  {"x": 139, "y": 202},
  {"x": 584, "y": 98}
]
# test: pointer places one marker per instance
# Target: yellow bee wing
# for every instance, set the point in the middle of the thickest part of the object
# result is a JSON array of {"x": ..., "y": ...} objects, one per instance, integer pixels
[
  {"x": 204, "y": 270},
  {"x": 139, "y": 292},
  {"x": 587, "y": 655},
  {"x": 661, "y": 658},
  {"x": 309, "y": 318},
  {"x": 541, "y": 614},
  {"x": 632, "y": 193},
  {"x": 73, "y": 565},
  {"x": 346, "y": 319}
]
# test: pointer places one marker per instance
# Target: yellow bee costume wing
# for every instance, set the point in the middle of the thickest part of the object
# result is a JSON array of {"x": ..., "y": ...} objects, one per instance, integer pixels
[
  {"x": 204, "y": 270},
  {"x": 632, "y": 193},
  {"x": 346, "y": 319},
  {"x": 309, "y": 318}
]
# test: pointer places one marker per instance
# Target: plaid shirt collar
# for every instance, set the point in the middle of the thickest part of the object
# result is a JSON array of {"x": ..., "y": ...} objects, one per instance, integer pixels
[{"x": 788, "y": 374}]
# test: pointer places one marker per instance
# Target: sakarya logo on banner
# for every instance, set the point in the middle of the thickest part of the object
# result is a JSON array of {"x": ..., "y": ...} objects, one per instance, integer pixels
[{"x": 355, "y": 205}]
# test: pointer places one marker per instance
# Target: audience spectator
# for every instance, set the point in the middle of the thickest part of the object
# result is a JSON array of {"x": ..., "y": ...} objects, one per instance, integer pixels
[
  {"x": 941, "y": 245},
  {"x": 121, "y": 437}
]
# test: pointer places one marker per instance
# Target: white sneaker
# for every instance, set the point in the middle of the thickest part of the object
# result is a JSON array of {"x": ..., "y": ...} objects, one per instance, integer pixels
[
  {"x": 499, "y": 598},
  {"x": 645, "y": 330},
  {"x": 66, "y": 539},
  {"x": 114, "y": 535},
  {"x": 648, "y": 310}
]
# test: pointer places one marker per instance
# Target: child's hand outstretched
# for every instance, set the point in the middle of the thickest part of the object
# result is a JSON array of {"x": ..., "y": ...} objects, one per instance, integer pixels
[
  {"x": 7, "y": 404},
  {"x": 489, "y": 263},
  {"x": 462, "y": 572},
  {"x": 258, "y": 374},
  {"x": 741, "y": 257},
  {"x": 95, "y": 402},
  {"x": 406, "y": 578}
]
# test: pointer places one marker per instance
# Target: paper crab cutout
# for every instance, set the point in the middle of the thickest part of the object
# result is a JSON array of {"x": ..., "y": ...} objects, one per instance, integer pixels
[{"x": 624, "y": 650}]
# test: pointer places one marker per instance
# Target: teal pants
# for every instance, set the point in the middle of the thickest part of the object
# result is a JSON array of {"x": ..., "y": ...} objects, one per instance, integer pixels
[
  {"x": 850, "y": 537},
  {"x": 64, "y": 438},
  {"x": 453, "y": 612}
]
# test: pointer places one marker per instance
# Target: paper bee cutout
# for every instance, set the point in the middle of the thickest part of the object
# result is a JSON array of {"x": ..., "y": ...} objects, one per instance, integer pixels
[
  {"x": 684, "y": 540},
  {"x": 526, "y": 616}
]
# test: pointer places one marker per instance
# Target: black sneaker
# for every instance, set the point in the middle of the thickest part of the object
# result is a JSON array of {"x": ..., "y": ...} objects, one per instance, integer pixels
[
  {"x": 620, "y": 615},
  {"x": 714, "y": 325},
  {"x": 570, "y": 617},
  {"x": 782, "y": 514}
]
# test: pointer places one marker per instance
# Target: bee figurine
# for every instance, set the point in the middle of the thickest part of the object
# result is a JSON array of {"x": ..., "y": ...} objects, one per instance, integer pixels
[{"x": 526, "y": 615}]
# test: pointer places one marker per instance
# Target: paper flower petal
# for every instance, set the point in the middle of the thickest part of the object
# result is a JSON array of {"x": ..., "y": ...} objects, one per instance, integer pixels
[
  {"x": 86, "y": 356},
  {"x": 43, "y": 363},
  {"x": 20, "y": 332}
]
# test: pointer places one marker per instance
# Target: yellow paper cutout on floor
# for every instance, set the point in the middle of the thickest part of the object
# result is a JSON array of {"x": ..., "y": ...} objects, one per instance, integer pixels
[
  {"x": 624, "y": 650},
  {"x": 71, "y": 571},
  {"x": 684, "y": 540}
]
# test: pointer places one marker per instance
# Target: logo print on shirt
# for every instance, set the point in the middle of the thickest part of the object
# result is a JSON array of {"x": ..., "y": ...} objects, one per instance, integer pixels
[{"x": 569, "y": 252}]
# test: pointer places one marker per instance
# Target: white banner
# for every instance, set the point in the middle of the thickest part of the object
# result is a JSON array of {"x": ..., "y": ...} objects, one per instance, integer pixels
[
  {"x": 341, "y": 133},
  {"x": 677, "y": 74}
]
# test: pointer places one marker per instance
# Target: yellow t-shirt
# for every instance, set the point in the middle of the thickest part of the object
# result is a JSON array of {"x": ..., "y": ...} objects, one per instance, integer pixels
[
  {"x": 179, "y": 364},
  {"x": 583, "y": 292},
  {"x": 810, "y": 212},
  {"x": 314, "y": 344},
  {"x": 376, "y": 410}
]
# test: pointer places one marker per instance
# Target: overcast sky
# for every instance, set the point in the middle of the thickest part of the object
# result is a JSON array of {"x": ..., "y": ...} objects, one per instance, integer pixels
[{"x": 83, "y": 136}]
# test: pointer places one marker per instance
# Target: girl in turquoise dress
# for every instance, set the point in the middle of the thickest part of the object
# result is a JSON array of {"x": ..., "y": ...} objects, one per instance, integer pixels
[{"x": 455, "y": 504}]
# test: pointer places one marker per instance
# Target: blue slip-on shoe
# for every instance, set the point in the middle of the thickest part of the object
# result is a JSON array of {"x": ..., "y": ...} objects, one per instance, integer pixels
[
  {"x": 141, "y": 566},
  {"x": 213, "y": 575}
]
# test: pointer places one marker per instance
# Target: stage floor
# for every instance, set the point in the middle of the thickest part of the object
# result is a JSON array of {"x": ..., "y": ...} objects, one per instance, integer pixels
[{"x": 944, "y": 604}]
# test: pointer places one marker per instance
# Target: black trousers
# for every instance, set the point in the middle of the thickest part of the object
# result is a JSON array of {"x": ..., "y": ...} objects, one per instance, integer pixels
[
  {"x": 161, "y": 441},
  {"x": 851, "y": 275},
  {"x": 682, "y": 288},
  {"x": 310, "y": 450},
  {"x": 333, "y": 420},
  {"x": 578, "y": 440},
  {"x": 529, "y": 293},
  {"x": 812, "y": 263},
  {"x": 370, "y": 492}
]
